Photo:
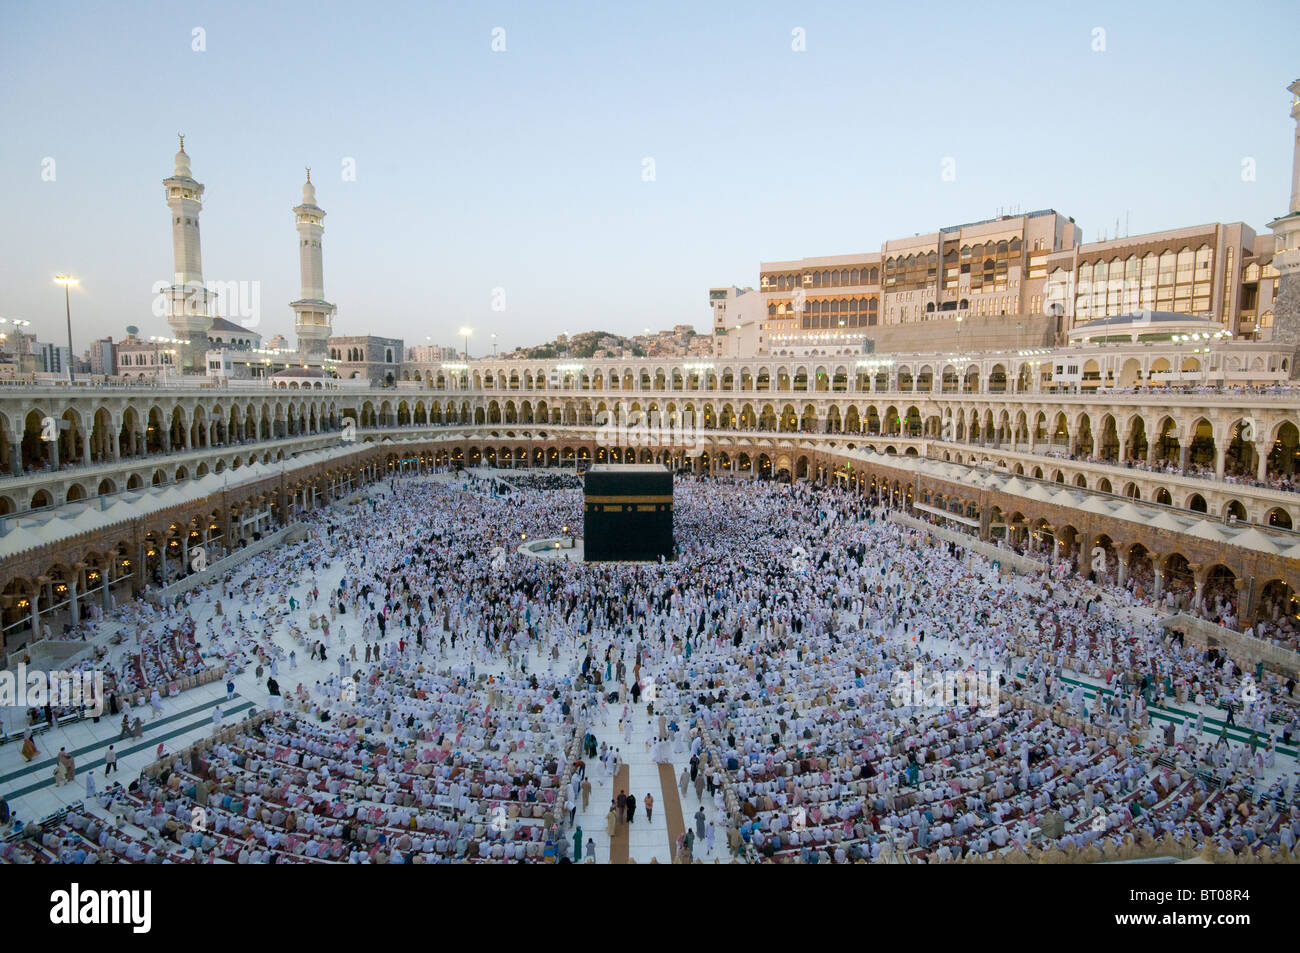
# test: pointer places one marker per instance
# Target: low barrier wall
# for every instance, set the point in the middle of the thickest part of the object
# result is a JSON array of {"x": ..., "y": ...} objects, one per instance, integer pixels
[
  {"x": 239, "y": 556},
  {"x": 1006, "y": 557},
  {"x": 1239, "y": 646}
]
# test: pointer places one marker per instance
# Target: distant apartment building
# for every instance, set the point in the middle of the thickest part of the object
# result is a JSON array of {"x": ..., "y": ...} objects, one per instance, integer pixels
[
  {"x": 53, "y": 358},
  {"x": 738, "y": 316},
  {"x": 431, "y": 354},
  {"x": 103, "y": 357}
]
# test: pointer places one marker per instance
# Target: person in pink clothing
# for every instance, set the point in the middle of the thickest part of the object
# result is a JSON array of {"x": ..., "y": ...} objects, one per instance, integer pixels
[{"x": 649, "y": 806}]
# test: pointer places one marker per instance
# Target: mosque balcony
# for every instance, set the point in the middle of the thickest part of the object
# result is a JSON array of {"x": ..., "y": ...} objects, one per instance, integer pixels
[{"x": 41, "y": 488}]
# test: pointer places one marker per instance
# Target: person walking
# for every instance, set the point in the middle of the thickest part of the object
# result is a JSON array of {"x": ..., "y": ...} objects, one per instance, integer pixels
[
  {"x": 631, "y": 808},
  {"x": 110, "y": 761},
  {"x": 649, "y": 806},
  {"x": 577, "y": 844},
  {"x": 586, "y": 793}
]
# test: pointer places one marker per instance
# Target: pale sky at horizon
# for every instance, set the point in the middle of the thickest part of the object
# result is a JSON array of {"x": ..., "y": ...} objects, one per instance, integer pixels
[{"x": 523, "y": 169}]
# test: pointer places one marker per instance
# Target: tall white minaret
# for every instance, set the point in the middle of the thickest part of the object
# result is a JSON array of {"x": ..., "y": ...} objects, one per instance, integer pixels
[
  {"x": 313, "y": 315},
  {"x": 187, "y": 310},
  {"x": 1286, "y": 249}
]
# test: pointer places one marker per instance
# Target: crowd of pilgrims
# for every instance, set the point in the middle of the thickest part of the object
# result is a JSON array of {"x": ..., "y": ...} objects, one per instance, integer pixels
[
  {"x": 1276, "y": 614},
  {"x": 153, "y": 651},
  {"x": 463, "y": 671}
]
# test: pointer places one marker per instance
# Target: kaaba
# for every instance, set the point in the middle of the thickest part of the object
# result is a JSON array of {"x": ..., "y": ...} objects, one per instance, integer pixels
[{"x": 629, "y": 513}]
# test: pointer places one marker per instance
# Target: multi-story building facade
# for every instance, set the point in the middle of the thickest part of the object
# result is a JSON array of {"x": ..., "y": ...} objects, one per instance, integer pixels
[
  {"x": 1022, "y": 280},
  {"x": 141, "y": 360},
  {"x": 54, "y": 358},
  {"x": 1211, "y": 271},
  {"x": 975, "y": 274},
  {"x": 103, "y": 357}
]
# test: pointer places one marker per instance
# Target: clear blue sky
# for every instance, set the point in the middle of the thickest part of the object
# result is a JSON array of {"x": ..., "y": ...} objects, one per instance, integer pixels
[{"x": 523, "y": 169}]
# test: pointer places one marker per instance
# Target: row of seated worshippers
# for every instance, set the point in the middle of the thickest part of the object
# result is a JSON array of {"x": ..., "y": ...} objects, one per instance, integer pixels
[
  {"x": 387, "y": 799},
  {"x": 474, "y": 780},
  {"x": 1087, "y": 635},
  {"x": 108, "y": 829},
  {"x": 164, "y": 657},
  {"x": 290, "y": 790},
  {"x": 969, "y": 781},
  {"x": 505, "y": 718},
  {"x": 805, "y": 721}
]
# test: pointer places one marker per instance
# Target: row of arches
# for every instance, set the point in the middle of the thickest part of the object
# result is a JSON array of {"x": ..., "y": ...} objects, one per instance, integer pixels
[
  {"x": 45, "y": 437},
  {"x": 1015, "y": 375}
]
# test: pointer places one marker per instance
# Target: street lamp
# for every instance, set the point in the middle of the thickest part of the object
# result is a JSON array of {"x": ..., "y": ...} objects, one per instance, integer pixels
[
  {"x": 67, "y": 281},
  {"x": 466, "y": 332},
  {"x": 494, "y": 345}
]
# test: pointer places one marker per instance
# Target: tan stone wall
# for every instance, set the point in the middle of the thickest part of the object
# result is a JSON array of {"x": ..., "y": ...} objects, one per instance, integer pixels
[{"x": 983, "y": 333}]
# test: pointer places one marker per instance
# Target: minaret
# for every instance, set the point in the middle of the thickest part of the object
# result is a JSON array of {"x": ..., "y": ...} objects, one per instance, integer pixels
[
  {"x": 1286, "y": 250},
  {"x": 313, "y": 314},
  {"x": 187, "y": 309}
]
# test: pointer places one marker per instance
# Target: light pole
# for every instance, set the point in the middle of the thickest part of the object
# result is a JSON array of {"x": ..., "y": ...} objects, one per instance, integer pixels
[
  {"x": 67, "y": 281},
  {"x": 494, "y": 346},
  {"x": 466, "y": 332}
]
